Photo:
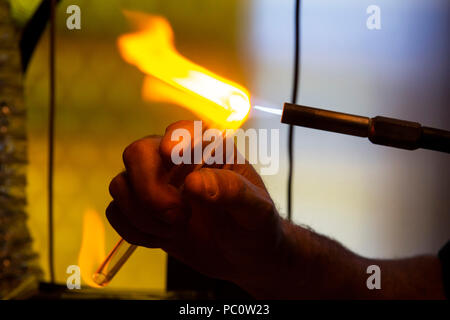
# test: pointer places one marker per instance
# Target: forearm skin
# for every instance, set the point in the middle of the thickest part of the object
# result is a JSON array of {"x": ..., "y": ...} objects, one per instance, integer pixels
[{"x": 311, "y": 266}]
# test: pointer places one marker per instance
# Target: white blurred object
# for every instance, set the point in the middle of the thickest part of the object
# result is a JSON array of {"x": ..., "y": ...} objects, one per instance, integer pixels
[{"x": 269, "y": 110}]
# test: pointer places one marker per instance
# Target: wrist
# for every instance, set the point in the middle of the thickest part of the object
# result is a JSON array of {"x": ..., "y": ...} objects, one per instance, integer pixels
[{"x": 274, "y": 279}]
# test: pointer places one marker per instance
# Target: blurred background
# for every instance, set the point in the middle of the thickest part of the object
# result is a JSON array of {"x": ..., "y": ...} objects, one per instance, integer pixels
[{"x": 378, "y": 201}]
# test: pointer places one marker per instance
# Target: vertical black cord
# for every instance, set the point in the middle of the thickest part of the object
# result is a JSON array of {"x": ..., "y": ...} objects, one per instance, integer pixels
[
  {"x": 51, "y": 128},
  {"x": 294, "y": 100}
]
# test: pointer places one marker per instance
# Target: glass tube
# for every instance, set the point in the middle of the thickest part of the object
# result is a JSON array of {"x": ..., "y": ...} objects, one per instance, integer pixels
[{"x": 113, "y": 262}]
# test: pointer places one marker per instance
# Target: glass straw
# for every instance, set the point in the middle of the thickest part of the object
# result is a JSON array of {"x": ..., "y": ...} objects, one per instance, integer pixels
[{"x": 113, "y": 262}]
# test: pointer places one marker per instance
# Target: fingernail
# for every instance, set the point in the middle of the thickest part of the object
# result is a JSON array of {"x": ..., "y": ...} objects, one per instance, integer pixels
[{"x": 210, "y": 182}]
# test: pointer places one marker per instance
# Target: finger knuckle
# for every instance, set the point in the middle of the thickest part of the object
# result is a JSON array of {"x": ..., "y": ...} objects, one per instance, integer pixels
[
  {"x": 165, "y": 148},
  {"x": 179, "y": 124},
  {"x": 113, "y": 187},
  {"x": 236, "y": 187},
  {"x": 133, "y": 151},
  {"x": 268, "y": 208}
]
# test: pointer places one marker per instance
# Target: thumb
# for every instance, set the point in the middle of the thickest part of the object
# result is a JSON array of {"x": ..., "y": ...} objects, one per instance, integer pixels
[{"x": 248, "y": 204}]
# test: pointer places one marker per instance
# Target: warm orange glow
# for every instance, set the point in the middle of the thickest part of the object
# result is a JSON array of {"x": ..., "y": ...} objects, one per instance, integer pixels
[
  {"x": 92, "y": 251},
  {"x": 215, "y": 99}
]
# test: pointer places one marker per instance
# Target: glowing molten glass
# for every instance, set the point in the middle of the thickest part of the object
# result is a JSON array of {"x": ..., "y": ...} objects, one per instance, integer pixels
[
  {"x": 219, "y": 101},
  {"x": 92, "y": 251}
]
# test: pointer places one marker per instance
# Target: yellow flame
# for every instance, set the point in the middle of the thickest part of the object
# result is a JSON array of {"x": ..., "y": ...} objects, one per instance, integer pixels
[
  {"x": 92, "y": 251},
  {"x": 218, "y": 100}
]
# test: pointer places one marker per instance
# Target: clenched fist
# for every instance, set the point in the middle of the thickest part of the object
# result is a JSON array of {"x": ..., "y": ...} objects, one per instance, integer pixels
[{"x": 219, "y": 220}]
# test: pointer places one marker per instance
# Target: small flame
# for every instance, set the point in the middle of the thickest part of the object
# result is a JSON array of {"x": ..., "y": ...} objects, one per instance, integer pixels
[
  {"x": 92, "y": 251},
  {"x": 151, "y": 48}
]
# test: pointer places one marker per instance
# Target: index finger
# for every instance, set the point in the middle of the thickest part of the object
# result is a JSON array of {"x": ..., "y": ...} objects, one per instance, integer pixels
[{"x": 148, "y": 176}]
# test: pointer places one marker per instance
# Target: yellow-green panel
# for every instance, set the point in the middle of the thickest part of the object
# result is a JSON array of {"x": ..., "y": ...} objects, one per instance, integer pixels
[{"x": 100, "y": 111}]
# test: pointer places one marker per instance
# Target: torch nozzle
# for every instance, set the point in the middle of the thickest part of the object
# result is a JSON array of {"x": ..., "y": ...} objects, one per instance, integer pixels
[{"x": 380, "y": 130}]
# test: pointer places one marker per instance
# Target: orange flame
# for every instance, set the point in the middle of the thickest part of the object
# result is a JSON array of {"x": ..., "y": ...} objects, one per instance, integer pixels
[
  {"x": 92, "y": 251},
  {"x": 213, "y": 98}
]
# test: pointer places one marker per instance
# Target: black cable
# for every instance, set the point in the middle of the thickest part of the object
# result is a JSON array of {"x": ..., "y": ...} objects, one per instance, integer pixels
[
  {"x": 51, "y": 134},
  {"x": 294, "y": 100},
  {"x": 32, "y": 32}
]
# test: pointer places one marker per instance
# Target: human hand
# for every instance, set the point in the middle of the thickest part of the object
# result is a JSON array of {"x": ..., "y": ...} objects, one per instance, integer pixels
[{"x": 220, "y": 220}]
